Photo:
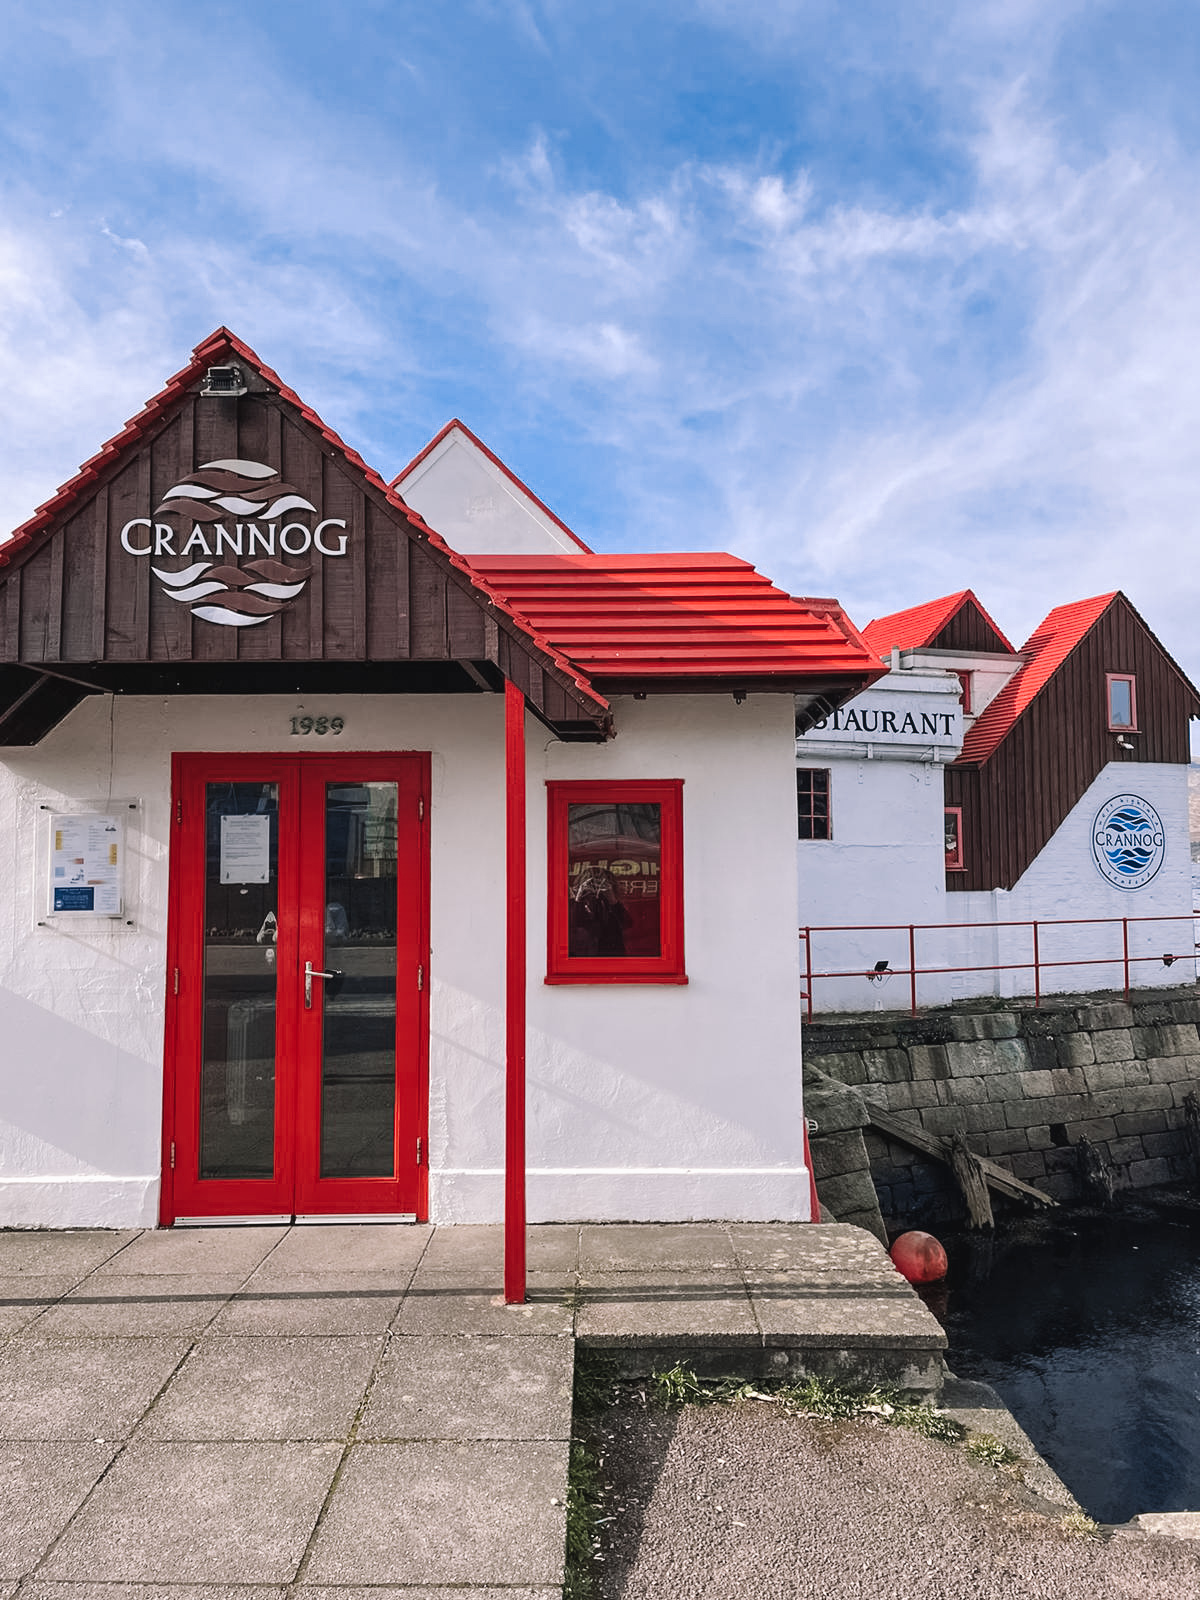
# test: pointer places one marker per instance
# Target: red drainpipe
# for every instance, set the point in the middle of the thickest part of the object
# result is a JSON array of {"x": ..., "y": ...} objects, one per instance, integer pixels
[{"x": 812, "y": 1182}]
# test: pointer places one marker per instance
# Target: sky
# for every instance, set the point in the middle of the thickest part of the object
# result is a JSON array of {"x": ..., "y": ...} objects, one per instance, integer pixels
[{"x": 890, "y": 300}]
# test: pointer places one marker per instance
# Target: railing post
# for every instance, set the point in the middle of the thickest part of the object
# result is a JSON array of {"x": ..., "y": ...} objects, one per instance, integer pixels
[
  {"x": 1037, "y": 970},
  {"x": 912, "y": 966},
  {"x": 808, "y": 976},
  {"x": 1125, "y": 951}
]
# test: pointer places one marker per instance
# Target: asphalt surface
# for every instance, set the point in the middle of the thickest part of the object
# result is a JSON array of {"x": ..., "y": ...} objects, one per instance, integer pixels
[{"x": 722, "y": 1502}]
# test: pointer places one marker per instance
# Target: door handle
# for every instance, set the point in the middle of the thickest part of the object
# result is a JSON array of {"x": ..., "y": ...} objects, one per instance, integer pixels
[{"x": 311, "y": 972}]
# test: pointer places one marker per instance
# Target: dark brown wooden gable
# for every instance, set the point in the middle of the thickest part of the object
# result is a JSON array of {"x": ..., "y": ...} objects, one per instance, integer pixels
[
  {"x": 393, "y": 614},
  {"x": 968, "y": 630},
  {"x": 1017, "y": 800}
]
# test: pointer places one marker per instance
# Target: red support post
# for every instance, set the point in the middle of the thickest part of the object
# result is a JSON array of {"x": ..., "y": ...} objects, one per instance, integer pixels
[
  {"x": 808, "y": 972},
  {"x": 1037, "y": 969},
  {"x": 514, "y": 996},
  {"x": 1125, "y": 951},
  {"x": 912, "y": 966}
]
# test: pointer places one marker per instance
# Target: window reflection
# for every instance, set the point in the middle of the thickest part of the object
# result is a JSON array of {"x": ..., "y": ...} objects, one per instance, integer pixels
[{"x": 614, "y": 863}]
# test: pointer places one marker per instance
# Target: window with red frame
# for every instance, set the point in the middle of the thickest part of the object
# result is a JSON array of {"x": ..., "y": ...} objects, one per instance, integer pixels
[
  {"x": 615, "y": 882},
  {"x": 954, "y": 840},
  {"x": 1122, "y": 702}
]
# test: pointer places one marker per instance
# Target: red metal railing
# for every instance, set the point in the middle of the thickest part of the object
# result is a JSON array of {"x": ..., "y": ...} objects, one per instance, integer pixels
[{"x": 1037, "y": 965}]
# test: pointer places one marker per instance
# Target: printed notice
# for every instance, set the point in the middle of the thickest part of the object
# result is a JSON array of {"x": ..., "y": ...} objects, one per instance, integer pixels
[
  {"x": 87, "y": 861},
  {"x": 246, "y": 849}
]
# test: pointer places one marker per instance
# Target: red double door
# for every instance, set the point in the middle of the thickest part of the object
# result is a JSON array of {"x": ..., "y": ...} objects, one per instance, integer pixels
[{"x": 297, "y": 1016}]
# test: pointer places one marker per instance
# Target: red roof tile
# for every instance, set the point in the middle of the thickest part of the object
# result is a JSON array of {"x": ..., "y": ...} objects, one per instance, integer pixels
[
  {"x": 1044, "y": 652},
  {"x": 676, "y": 616},
  {"x": 496, "y": 462},
  {"x": 917, "y": 627}
]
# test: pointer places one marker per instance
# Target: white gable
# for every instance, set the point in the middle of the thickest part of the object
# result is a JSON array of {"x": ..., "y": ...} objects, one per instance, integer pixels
[{"x": 476, "y": 505}]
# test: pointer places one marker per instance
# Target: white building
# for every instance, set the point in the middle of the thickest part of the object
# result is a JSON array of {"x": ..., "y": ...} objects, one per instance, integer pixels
[{"x": 347, "y": 876}]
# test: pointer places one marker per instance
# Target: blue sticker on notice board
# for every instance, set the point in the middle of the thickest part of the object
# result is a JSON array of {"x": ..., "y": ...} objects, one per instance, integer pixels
[{"x": 74, "y": 899}]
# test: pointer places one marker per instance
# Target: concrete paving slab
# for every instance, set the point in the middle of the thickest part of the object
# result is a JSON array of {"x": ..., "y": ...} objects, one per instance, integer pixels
[
  {"x": 41, "y": 1488},
  {"x": 324, "y": 1303},
  {"x": 653, "y": 1306},
  {"x": 853, "y": 1320},
  {"x": 660, "y": 1247},
  {"x": 191, "y": 1251},
  {"x": 482, "y": 1388},
  {"x": 479, "y": 1247},
  {"x": 23, "y": 1299},
  {"x": 405, "y": 1592},
  {"x": 472, "y": 1303},
  {"x": 199, "y": 1513},
  {"x": 826, "y": 1251},
  {"x": 81, "y": 1388},
  {"x": 36, "y": 1590},
  {"x": 393, "y": 1248},
  {"x": 264, "y": 1387},
  {"x": 481, "y": 1513},
  {"x": 68, "y": 1253},
  {"x": 161, "y": 1304}
]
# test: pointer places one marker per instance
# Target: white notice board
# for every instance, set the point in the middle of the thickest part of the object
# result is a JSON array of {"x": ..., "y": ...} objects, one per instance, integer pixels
[
  {"x": 246, "y": 849},
  {"x": 87, "y": 864}
]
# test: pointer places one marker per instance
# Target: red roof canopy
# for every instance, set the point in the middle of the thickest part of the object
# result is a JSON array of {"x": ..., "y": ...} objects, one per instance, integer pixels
[{"x": 675, "y": 616}]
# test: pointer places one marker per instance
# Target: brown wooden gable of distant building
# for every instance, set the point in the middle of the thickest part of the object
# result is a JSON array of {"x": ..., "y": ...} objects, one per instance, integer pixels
[
  {"x": 1037, "y": 748},
  {"x": 230, "y": 542}
]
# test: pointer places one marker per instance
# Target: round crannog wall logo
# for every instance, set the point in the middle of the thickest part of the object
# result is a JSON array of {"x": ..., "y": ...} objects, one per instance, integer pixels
[
  {"x": 226, "y": 511},
  {"x": 1128, "y": 841}
]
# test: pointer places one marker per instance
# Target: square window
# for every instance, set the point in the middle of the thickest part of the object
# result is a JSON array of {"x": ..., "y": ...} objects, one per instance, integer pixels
[
  {"x": 615, "y": 882},
  {"x": 1122, "y": 702},
  {"x": 812, "y": 803},
  {"x": 954, "y": 840}
]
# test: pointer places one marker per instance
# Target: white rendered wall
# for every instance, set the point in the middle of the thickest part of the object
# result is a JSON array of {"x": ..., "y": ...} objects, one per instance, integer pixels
[
  {"x": 645, "y": 1102},
  {"x": 475, "y": 507}
]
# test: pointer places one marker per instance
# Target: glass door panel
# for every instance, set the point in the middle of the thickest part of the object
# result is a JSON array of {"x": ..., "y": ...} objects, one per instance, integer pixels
[
  {"x": 241, "y": 925},
  {"x": 358, "y": 1054}
]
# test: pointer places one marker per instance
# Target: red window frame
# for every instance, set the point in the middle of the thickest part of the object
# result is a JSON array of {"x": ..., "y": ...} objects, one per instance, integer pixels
[
  {"x": 668, "y": 966},
  {"x": 954, "y": 859},
  {"x": 1121, "y": 677},
  {"x": 810, "y": 816}
]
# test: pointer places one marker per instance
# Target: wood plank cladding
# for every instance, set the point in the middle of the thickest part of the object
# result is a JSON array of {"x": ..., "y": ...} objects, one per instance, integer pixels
[
  {"x": 186, "y": 551},
  {"x": 968, "y": 630},
  {"x": 1020, "y": 796}
]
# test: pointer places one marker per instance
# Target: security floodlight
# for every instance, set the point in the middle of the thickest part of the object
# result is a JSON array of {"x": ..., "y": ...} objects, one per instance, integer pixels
[{"x": 226, "y": 382}]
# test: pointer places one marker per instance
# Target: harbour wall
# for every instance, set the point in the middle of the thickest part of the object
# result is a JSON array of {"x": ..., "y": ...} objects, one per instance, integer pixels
[{"x": 1024, "y": 1085}]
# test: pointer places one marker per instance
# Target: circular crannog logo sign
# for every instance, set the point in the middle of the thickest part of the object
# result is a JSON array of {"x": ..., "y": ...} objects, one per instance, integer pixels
[
  {"x": 231, "y": 522},
  {"x": 1128, "y": 841}
]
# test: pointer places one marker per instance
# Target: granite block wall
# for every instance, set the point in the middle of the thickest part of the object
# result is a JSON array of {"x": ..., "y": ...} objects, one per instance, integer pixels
[{"x": 1024, "y": 1085}]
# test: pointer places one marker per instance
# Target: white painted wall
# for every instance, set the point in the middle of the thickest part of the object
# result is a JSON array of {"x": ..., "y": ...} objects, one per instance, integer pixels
[
  {"x": 645, "y": 1103},
  {"x": 476, "y": 507}
]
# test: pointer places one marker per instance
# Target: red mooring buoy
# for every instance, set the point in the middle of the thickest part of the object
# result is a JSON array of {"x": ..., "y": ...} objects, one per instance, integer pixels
[{"x": 919, "y": 1258}]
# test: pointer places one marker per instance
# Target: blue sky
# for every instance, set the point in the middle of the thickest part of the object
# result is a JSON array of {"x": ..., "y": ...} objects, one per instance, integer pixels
[{"x": 891, "y": 300}]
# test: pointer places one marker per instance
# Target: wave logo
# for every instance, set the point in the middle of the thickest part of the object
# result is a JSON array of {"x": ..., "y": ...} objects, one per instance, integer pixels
[
  {"x": 1129, "y": 842},
  {"x": 234, "y": 508}
]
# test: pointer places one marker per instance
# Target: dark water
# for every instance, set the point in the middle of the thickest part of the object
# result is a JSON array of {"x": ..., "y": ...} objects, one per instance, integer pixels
[{"x": 1088, "y": 1326}]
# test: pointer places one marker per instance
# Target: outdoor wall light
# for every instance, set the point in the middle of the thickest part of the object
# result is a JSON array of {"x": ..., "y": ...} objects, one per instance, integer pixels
[
  {"x": 880, "y": 972},
  {"x": 225, "y": 382},
  {"x": 1123, "y": 743},
  {"x": 1169, "y": 960}
]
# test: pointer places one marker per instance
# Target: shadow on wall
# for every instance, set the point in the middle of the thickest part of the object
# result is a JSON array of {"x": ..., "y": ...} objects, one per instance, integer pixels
[{"x": 70, "y": 1096}]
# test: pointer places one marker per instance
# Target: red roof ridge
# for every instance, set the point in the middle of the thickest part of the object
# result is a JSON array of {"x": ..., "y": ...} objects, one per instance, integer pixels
[
  {"x": 915, "y": 627},
  {"x": 222, "y": 340},
  {"x": 449, "y": 428},
  {"x": 1044, "y": 652}
]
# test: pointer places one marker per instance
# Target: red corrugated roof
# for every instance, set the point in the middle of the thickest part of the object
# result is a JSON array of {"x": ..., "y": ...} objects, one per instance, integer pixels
[
  {"x": 1044, "y": 652},
  {"x": 496, "y": 462},
  {"x": 917, "y": 627},
  {"x": 676, "y": 616}
]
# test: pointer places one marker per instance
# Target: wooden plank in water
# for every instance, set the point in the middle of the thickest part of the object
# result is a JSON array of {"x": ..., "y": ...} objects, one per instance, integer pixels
[{"x": 931, "y": 1144}]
